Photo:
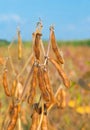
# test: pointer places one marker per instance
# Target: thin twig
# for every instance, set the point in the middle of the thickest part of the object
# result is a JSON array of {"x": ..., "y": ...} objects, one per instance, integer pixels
[
  {"x": 48, "y": 50},
  {"x": 24, "y": 66},
  {"x": 49, "y": 45},
  {"x": 10, "y": 55},
  {"x": 26, "y": 83}
]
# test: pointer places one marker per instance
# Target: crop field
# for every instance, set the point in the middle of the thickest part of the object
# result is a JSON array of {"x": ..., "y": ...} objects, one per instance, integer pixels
[{"x": 76, "y": 114}]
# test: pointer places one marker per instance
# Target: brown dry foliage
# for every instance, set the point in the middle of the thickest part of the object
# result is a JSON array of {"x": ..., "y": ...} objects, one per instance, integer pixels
[{"x": 40, "y": 77}]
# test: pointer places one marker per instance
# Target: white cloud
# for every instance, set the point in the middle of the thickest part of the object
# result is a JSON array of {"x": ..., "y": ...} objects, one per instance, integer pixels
[{"x": 10, "y": 17}]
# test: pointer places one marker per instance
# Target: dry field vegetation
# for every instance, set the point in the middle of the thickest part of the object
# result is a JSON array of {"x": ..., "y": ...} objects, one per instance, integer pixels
[{"x": 44, "y": 87}]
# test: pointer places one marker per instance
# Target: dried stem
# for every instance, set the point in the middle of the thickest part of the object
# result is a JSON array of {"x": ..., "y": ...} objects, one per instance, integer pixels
[
  {"x": 19, "y": 123},
  {"x": 29, "y": 59},
  {"x": 25, "y": 85},
  {"x": 55, "y": 97},
  {"x": 10, "y": 59},
  {"x": 42, "y": 47},
  {"x": 41, "y": 118}
]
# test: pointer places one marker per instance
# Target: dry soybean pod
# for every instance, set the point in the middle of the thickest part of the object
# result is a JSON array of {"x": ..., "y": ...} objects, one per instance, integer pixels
[
  {"x": 54, "y": 46},
  {"x": 61, "y": 98},
  {"x": 14, "y": 118},
  {"x": 5, "y": 83},
  {"x": 48, "y": 85},
  {"x": 33, "y": 85},
  {"x": 19, "y": 45},
  {"x": 37, "y": 45},
  {"x": 42, "y": 86},
  {"x": 61, "y": 72},
  {"x": 35, "y": 119},
  {"x": 11, "y": 106}
]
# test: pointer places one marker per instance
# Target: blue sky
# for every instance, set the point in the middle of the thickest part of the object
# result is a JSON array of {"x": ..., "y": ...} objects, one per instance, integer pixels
[{"x": 71, "y": 18}]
